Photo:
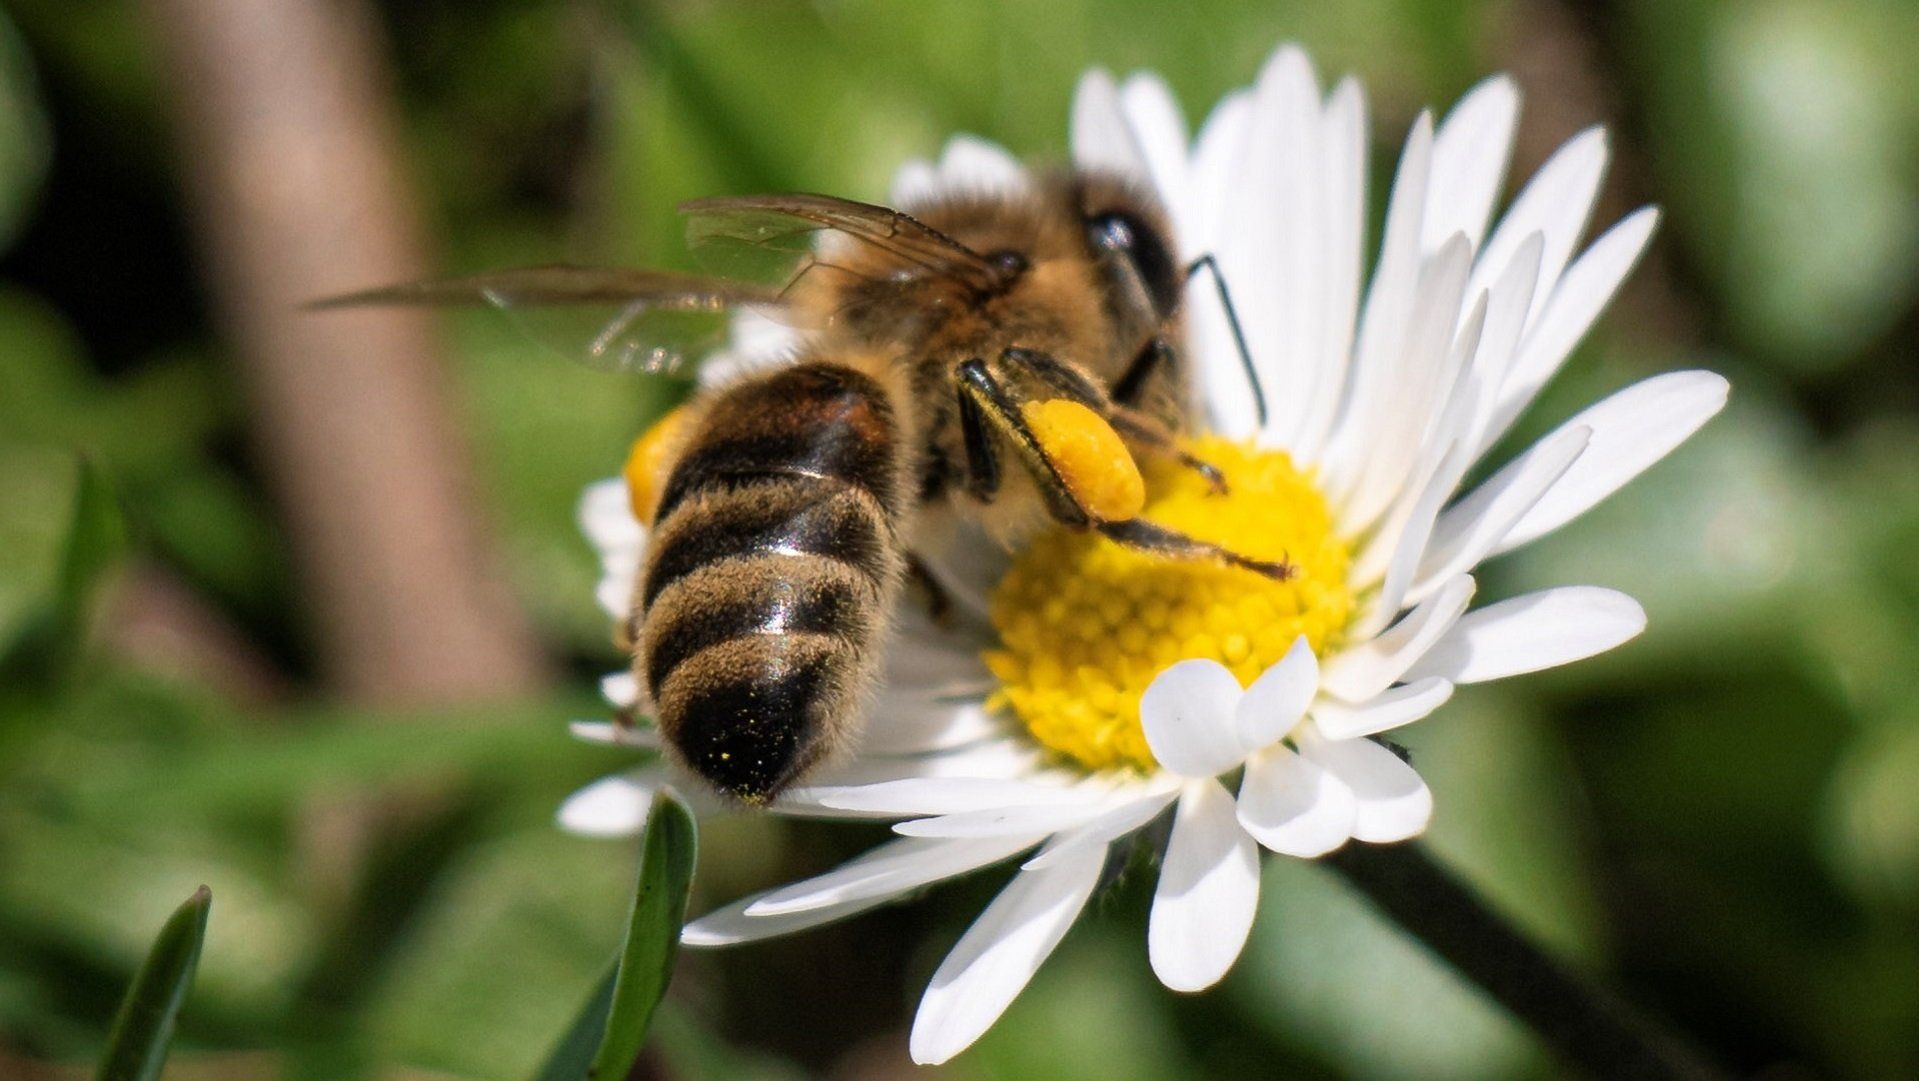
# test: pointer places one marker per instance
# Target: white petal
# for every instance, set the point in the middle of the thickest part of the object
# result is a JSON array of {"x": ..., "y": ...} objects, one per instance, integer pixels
[
  {"x": 1102, "y": 139},
  {"x": 1531, "y": 632},
  {"x": 935, "y": 795},
  {"x": 618, "y": 735},
  {"x": 1342, "y": 233},
  {"x": 906, "y": 864},
  {"x": 1228, "y": 404},
  {"x": 1160, "y": 131},
  {"x": 730, "y": 926},
  {"x": 621, "y": 689},
  {"x": 1187, "y": 712},
  {"x": 755, "y": 342},
  {"x": 615, "y": 594},
  {"x": 1391, "y": 802},
  {"x": 614, "y": 806},
  {"x": 1555, "y": 203},
  {"x": 1273, "y": 255},
  {"x": 998, "y": 955},
  {"x": 1278, "y": 698},
  {"x": 606, "y": 517},
  {"x": 1392, "y": 709},
  {"x": 973, "y": 164},
  {"x": 1420, "y": 380},
  {"x": 1630, "y": 431},
  {"x": 901, "y": 726},
  {"x": 1216, "y": 152},
  {"x": 1002, "y": 758},
  {"x": 1507, "y": 303},
  {"x": 964, "y": 559},
  {"x": 1207, "y": 893},
  {"x": 1025, "y": 821},
  {"x": 1293, "y": 806},
  {"x": 1391, "y": 556},
  {"x": 926, "y": 657},
  {"x": 1469, "y": 530},
  {"x": 1584, "y": 292},
  {"x": 1383, "y": 321},
  {"x": 1390, "y": 299},
  {"x": 915, "y": 183},
  {"x": 1364, "y": 670},
  {"x": 1105, "y": 829},
  {"x": 1470, "y": 152}
]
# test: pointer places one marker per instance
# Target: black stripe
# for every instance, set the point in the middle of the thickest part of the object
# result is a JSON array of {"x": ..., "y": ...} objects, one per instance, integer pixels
[
  {"x": 752, "y": 735},
  {"x": 814, "y": 420},
  {"x": 791, "y": 517},
  {"x": 775, "y": 606}
]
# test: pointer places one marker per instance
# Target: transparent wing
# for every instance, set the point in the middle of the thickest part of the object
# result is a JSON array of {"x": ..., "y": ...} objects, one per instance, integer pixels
[
  {"x": 609, "y": 318},
  {"x": 778, "y": 238}
]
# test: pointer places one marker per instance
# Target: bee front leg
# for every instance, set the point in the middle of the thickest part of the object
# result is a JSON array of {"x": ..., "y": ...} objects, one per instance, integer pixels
[
  {"x": 1148, "y": 537},
  {"x": 1147, "y": 432},
  {"x": 996, "y": 410},
  {"x": 1132, "y": 425},
  {"x": 982, "y": 461},
  {"x": 988, "y": 408},
  {"x": 1130, "y": 387}
]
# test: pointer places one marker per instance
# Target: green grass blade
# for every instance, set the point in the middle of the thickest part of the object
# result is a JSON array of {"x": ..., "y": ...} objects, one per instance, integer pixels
[
  {"x": 48, "y": 651},
  {"x": 143, "y": 1028},
  {"x": 667, "y": 855}
]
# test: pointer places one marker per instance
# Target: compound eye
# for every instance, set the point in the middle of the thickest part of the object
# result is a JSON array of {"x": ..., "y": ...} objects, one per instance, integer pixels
[{"x": 1121, "y": 234}]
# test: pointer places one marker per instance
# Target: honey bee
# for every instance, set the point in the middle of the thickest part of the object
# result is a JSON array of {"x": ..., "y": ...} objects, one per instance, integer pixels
[{"x": 1001, "y": 356}]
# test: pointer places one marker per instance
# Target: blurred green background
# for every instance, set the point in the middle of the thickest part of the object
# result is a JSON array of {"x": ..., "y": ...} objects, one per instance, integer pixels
[{"x": 1722, "y": 818}]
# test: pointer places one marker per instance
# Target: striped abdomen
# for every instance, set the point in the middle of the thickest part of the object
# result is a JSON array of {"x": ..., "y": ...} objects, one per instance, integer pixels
[{"x": 772, "y": 563}]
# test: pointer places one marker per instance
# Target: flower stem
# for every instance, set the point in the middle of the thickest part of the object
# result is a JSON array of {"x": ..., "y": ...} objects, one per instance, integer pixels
[{"x": 1585, "y": 1024}]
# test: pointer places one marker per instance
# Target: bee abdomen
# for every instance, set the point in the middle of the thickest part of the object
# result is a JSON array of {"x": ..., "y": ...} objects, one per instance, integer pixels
[
  {"x": 772, "y": 563},
  {"x": 754, "y": 669}
]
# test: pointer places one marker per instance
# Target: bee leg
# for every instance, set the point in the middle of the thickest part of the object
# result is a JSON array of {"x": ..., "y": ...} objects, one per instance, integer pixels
[
  {"x": 939, "y": 603},
  {"x": 1148, "y": 537},
  {"x": 626, "y": 719},
  {"x": 992, "y": 404},
  {"x": 984, "y": 402},
  {"x": 1131, "y": 385},
  {"x": 982, "y": 461},
  {"x": 1139, "y": 428},
  {"x": 1134, "y": 426}
]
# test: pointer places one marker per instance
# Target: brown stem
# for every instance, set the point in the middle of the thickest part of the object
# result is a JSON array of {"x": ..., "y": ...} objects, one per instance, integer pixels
[
  {"x": 1584, "y": 1024},
  {"x": 292, "y": 169},
  {"x": 155, "y": 621}
]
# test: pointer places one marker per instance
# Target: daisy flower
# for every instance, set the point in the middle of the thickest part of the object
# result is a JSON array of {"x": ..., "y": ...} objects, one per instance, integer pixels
[{"x": 1086, "y": 691}]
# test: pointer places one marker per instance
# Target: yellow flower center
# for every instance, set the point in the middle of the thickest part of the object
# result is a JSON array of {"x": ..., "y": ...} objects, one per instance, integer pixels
[{"x": 1085, "y": 624}]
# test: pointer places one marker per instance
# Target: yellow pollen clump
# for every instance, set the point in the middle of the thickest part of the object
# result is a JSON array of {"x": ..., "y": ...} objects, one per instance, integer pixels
[
  {"x": 1085, "y": 624},
  {"x": 645, "y": 467},
  {"x": 1090, "y": 456}
]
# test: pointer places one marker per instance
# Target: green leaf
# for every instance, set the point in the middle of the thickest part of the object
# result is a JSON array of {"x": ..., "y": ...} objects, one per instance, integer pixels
[
  {"x": 605, "y": 1039},
  {"x": 667, "y": 854},
  {"x": 572, "y": 1057},
  {"x": 143, "y": 1029},
  {"x": 93, "y": 543},
  {"x": 24, "y": 142},
  {"x": 51, "y": 645}
]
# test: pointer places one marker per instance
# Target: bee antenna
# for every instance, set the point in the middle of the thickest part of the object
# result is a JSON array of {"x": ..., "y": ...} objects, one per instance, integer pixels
[{"x": 1207, "y": 262}]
